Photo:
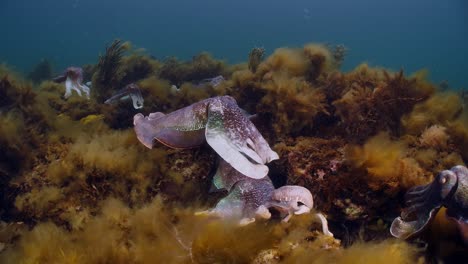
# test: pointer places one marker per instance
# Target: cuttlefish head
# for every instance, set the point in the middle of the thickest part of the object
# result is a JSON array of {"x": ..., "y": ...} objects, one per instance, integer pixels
[
  {"x": 457, "y": 205},
  {"x": 293, "y": 198},
  {"x": 74, "y": 73},
  {"x": 423, "y": 203}
]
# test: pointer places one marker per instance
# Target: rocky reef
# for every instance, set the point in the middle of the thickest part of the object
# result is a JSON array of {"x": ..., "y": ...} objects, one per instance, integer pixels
[{"x": 77, "y": 186}]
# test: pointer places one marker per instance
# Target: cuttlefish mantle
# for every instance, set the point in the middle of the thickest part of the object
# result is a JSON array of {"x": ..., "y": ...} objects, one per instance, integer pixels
[{"x": 220, "y": 122}]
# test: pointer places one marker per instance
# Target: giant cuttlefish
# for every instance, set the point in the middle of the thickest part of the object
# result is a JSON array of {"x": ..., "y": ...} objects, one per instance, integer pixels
[
  {"x": 221, "y": 122},
  {"x": 450, "y": 190},
  {"x": 73, "y": 78},
  {"x": 249, "y": 198},
  {"x": 130, "y": 91}
]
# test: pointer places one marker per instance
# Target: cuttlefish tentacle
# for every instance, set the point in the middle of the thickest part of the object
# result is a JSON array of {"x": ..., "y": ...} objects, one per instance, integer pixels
[
  {"x": 423, "y": 204},
  {"x": 405, "y": 229},
  {"x": 221, "y": 122},
  {"x": 130, "y": 91}
]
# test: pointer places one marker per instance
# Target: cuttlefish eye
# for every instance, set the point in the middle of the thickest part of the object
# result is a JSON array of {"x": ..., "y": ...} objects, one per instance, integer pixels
[
  {"x": 443, "y": 180},
  {"x": 447, "y": 180}
]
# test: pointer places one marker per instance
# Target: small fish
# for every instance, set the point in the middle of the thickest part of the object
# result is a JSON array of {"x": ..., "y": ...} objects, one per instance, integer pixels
[{"x": 131, "y": 91}]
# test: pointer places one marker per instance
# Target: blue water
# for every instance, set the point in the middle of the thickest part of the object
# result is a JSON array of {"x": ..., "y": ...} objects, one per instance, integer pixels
[{"x": 414, "y": 34}]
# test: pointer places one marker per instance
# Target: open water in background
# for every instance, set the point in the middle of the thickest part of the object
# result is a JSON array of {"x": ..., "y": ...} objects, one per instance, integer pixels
[{"x": 408, "y": 34}]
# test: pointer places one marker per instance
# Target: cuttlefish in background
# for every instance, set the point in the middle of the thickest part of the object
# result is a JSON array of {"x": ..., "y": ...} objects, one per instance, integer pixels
[
  {"x": 130, "y": 91},
  {"x": 221, "y": 122},
  {"x": 450, "y": 190},
  {"x": 73, "y": 78},
  {"x": 249, "y": 198}
]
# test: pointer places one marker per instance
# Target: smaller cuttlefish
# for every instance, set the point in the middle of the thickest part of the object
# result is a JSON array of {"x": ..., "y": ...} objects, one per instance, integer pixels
[
  {"x": 450, "y": 190},
  {"x": 73, "y": 78},
  {"x": 221, "y": 122},
  {"x": 130, "y": 91},
  {"x": 249, "y": 198}
]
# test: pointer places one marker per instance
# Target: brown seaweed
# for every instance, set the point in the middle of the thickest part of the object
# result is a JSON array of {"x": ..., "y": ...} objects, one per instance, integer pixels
[{"x": 106, "y": 77}]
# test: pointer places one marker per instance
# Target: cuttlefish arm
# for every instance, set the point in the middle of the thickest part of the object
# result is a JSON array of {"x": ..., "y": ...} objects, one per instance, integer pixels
[
  {"x": 183, "y": 129},
  {"x": 236, "y": 139},
  {"x": 131, "y": 91},
  {"x": 61, "y": 78},
  {"x": 423, "y": 203}
]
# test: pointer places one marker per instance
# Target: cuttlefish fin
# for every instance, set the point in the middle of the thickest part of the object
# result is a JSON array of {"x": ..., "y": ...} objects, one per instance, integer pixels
[
  {"x": 152, "y": 127},
  {"x": 237, "y": 154}
]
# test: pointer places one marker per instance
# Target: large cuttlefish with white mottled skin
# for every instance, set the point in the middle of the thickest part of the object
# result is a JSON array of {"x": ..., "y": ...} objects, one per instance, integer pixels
[
  {"x": 73, "y": 78},
  {"x": 450, "y": 190},
  {"x": 221, "y": 122},
  {"x": 249, "y": 198}
]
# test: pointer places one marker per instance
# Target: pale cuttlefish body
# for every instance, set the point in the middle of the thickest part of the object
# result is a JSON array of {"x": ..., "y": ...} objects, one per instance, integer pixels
[
  {"x": 73, "y": 78},
  {"x": 130, "y": 91},
  {"x": 249, "y": 198},
  {"x": 221, "y": 122},
  {"x": 450, "y": 190}
]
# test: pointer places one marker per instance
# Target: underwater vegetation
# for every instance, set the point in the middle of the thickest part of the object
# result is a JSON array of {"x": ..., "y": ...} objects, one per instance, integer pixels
[
  {"x": 255, "y": 58},
  {"x": 77, "y": 186},
  {"x": 41, "y": 72}
]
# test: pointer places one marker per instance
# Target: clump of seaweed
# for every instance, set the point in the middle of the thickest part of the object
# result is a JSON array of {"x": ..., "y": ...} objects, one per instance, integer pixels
[
  {"x": 339, "y": 53},
  {"x": 106, "y": 78},
  {"x": 255, "y": 58},
  {"x": 293, "y": 102},
  {"x": 376, "y": 101},
  {"x": 136, "y": 67},
  {"x": 438, "y": 109},
  {"x": 388, "y": 170},
  {"x": 319, "y": 60},
  {"x": 435, "y": 137},
  {"x": 200, "y": 67},
  {"x": 41, "y": 72},
  {"x": 284, "y": 88}
]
